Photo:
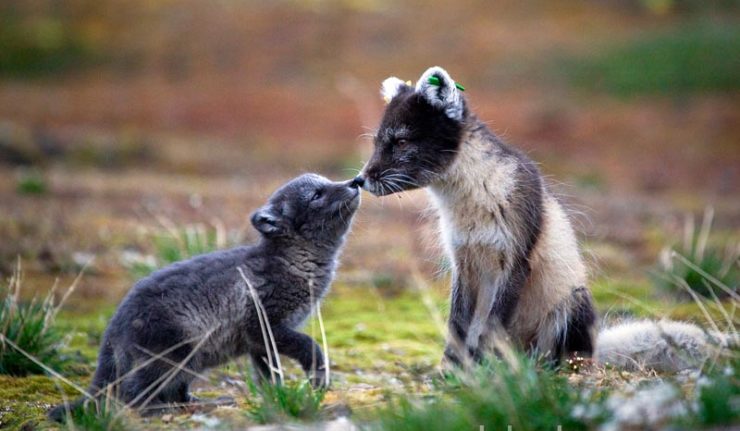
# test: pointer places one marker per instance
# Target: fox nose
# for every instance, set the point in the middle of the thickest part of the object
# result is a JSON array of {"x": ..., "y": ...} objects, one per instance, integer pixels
[{"x": 359, "y": 181}]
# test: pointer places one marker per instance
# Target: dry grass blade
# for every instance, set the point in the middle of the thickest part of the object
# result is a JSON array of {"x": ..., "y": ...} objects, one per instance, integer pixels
[
  {"x": 139, "y": 366},
  {"x": 273, "y": 356},
  {"x": 324, "y": 342},
  {"x": 682, "y": 283},
  {"x": 169, "y": 361},
  {"x": 633, "y": 300},
  {"x": 73, "y": 286},
  {"x": 706, "y": 275},
  {"x": 171, "y": 374},
  {"x": 423, "y": 288},
  {"x": 706, "y": 227},
  {"x": 718, "y": 305}
]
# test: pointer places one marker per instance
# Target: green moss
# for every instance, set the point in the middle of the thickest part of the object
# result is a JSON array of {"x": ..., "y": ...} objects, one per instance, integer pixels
[
  {"x": 26, "y": 399},
  {"x": 369, "y": 333}
]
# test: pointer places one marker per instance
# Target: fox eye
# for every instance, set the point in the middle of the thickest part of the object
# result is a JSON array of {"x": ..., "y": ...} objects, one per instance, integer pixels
[
  {"x": 401, "y": 142},
  {"x": 317, "y": 194}
]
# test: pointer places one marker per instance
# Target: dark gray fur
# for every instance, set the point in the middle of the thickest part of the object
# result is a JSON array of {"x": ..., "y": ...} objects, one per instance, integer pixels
[{"x": 303, "y": 227}]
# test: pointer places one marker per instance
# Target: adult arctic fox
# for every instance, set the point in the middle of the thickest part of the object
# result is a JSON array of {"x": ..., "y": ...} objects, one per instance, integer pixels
[
  {"x": 516, "y": 267},
  {"x": 200, "y": 312}
]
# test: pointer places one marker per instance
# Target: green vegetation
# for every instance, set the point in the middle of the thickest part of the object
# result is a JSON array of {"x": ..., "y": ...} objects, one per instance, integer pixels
[
  {"x": 698, "y": 266},
  {"x": 40, "y": 45},
  {"x": 690, "y": 58},
  {"x": 371, "y": 352},
  {"x": 172, "y": 244},
  {"x": 718, "y": 395},
  {"x": 283, "y": 402},
  {"x": 25, "y": 400},
  {"x": 31, "y": 182},
  {"x": 512, "y": 391},
  {"x": 96, "y": 416},
  {"x": 516, "y": 391},
  {"x": 27, "y": 329}
]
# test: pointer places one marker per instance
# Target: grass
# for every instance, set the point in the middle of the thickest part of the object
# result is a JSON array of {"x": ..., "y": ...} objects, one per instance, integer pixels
[
  {"x": 513, "y": 391},
  {"x": 698, "y": 266},
  {"x": 716, "y": 403},
  {"x": 31, "y": 182},
  {"x": 281, "y": 403},
  {"x": 691, "y": 58},
  {"x": 96, "y": 416},
  {"x": 27, "y": 329},
  {"x": 373, "y": 352},
  {"x": 517, "y": 392},
  {"x": 173, "y": 244}
]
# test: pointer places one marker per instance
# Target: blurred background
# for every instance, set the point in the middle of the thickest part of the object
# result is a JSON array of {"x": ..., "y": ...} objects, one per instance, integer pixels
[{"x": 139, "y": 132}]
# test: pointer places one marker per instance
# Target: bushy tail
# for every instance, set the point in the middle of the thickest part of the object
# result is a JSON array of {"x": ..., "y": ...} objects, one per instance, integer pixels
[
  {"x": 665, "y": 345},
  {"x": 104, "y": 375}
]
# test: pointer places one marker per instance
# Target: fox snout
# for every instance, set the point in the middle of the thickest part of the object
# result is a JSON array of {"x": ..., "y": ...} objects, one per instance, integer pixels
[
  {"x": 371, "y": 184},
  {"x": 358, "y": 182}
]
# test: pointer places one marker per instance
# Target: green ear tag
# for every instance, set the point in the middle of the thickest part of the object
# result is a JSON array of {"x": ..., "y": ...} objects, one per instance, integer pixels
[{"x": 433, "y": 80}]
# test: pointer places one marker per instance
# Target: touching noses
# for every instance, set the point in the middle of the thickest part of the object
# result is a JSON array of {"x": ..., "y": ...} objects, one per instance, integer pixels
[{"x": 359, "y": 181}]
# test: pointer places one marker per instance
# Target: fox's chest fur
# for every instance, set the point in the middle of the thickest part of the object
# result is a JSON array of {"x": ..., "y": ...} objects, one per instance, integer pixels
[{"x": 472, "y": 199}]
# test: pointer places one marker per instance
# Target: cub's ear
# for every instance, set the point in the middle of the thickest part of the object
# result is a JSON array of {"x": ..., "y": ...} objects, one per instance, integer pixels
[
  {"x": 268, "y": 221},
  {"x": 440, "y": 90},
  {"x": 391, "y": 87}
]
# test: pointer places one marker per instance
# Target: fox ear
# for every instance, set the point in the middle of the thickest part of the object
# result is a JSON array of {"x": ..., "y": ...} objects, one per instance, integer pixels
[
  {"x": 391, "y": 87},
  {"x": 268, "y": 222},
  {"x": 441, "y": 91}
]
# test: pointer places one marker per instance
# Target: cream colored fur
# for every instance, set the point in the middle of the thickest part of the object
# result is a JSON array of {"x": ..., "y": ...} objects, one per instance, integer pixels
[
  {"x": 478, "y": 238},
  {"x": 664, "y": 345},
  {"x": 390, "y": 87}
]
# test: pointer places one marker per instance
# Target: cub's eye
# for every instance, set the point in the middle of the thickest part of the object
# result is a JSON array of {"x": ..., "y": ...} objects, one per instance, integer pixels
[
  {"x": 401, "y": 142},
  {"x": 317, "y": 195}
]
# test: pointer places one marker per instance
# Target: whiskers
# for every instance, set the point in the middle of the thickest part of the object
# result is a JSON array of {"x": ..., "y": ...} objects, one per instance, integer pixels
[{"x": 394, "y": 182}]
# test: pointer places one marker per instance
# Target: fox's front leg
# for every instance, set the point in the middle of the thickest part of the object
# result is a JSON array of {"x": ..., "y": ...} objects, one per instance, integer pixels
[
  {"x": 462, "y": 305},
  {"x": 302, "y": 348},
  {"x": 507, "y": 291}
]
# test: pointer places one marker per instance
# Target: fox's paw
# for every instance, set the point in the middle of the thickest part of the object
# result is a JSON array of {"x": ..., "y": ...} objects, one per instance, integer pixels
[{"x": 319, "y": 379}]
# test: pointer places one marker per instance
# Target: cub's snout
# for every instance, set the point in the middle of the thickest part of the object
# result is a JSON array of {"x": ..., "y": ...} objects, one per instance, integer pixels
[
  {"x": 346, "y": 196},
  {"x": 359, "y": 181}
]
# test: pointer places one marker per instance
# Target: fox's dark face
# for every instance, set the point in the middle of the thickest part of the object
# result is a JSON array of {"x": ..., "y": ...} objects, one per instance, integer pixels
[
  {"x": 418, "y": 137},
  {"x": 310, "y": 209}
]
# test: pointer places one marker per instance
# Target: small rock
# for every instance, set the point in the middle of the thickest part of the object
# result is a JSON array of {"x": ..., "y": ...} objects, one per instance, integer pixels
[
  {"x": 207, "y": 421},
  {"x": 167, "y": 418},
  {"x": 340, "y": 424},
  {"x": 82, "y": 259}
]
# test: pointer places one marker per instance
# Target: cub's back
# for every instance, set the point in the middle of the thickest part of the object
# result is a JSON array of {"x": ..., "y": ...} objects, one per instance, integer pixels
[{"x": 188, "y": 297}]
